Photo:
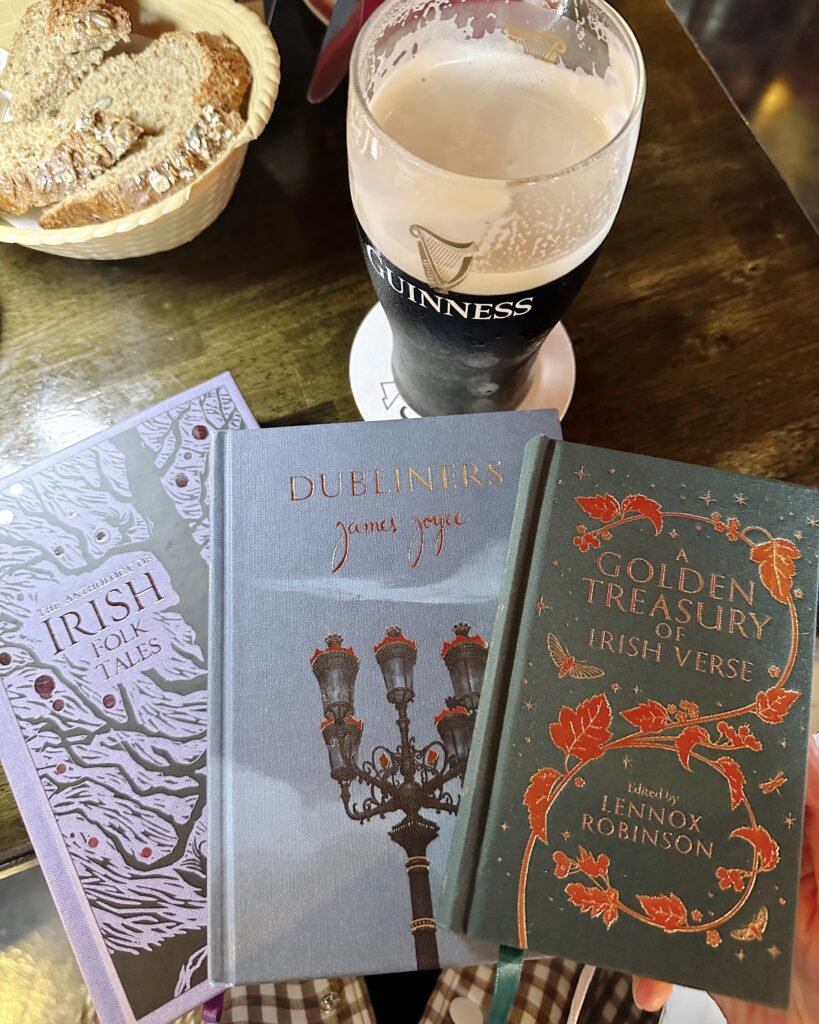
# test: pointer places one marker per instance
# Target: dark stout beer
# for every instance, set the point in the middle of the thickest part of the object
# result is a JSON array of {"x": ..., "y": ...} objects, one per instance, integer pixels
[{"x": 486, "y": 169}]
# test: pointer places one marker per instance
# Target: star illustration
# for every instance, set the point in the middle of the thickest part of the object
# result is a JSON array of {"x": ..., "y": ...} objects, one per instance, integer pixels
[
  {"x": 711, "y": 895},
  {"x": 541, "y": 606},
  {"x": 673, "y": 534},
  {"x": 782, "y": 901},
  {"x": 504, "y": 826},
  {"x": 615, "y": 687},
  {"x": 636, "y": 689},
  {"x": 774, "y": 951},
  {"x": 626, "y": 761},
  {"x": 773, "y": 672},
  {"x": 790, "y": 821},
  {"x": 799, "y": 535},
  {"x": 580, "y": 473},
  {"x": 566, "y": 834},
  {"x": 740, "y": 955},
  {"x": 812, "y": 521},
  {"x": 783, "y": 743},
  {"x": 707, "y": 498},
  {"x": 798, "y": 594},
  {"x": 528, "y": 706},
  {"x": 611, "y": 470},
  {"x": 740, "y": 499}
]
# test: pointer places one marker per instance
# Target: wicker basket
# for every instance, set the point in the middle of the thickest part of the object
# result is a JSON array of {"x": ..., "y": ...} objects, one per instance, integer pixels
[{"x": 186, "y": 213}]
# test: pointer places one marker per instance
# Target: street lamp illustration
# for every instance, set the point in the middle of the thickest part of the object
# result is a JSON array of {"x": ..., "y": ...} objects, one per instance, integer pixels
[{"x": 410, "y": 778}]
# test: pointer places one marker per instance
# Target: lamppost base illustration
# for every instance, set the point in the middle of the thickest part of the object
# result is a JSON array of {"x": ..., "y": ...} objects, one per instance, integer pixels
[{"x": 378, "y": 398}]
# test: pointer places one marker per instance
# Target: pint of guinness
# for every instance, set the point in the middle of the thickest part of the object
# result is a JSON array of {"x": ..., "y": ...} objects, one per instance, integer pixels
[{"x": 489, "y": 145}]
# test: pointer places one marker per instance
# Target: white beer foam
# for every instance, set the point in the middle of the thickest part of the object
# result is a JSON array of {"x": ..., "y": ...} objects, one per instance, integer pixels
[{"x": 471, "y": 107}]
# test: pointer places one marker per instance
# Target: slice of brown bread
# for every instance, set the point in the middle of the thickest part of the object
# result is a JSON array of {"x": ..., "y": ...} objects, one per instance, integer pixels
[
  {"x": 185, "y": 89},
  {"x": 168, "y": 83},
  {"x": 44, "y": 161},
  {"x": 156, "y": 167},
  {"x": 56, "y": 44}
]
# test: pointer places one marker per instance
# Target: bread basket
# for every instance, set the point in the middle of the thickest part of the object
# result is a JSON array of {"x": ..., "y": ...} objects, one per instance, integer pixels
[{"x": 184, "y": 214}]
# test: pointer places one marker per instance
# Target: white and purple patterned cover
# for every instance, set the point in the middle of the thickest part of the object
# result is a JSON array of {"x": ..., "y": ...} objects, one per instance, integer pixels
[{"x": 103, "y": 637}]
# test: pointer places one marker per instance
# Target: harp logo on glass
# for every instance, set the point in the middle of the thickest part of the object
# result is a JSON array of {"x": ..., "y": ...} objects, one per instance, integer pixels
[{"x": 546, "y": 46}]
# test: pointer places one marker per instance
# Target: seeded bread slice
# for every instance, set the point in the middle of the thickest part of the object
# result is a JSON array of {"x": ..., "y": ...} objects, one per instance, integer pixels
[
  {"x": 156, "y": 167},
  {"x": 56, "y": 44},
  {"x": 185, "y": 89},
  {"x": 44, "y": 161}
]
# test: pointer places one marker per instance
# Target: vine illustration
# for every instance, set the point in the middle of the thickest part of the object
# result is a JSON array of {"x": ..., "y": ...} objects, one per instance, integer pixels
[{"x": 585, "y": 733}]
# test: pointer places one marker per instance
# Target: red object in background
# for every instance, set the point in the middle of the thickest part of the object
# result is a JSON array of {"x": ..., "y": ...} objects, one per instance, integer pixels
[{"x": 333, "y": 63}]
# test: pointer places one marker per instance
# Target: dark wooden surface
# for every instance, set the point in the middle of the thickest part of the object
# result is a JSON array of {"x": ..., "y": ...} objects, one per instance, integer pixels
[{"x": 695, "y": 336}]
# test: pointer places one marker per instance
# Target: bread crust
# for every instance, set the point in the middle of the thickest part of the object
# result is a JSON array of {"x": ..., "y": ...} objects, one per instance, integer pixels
[
  {"x": 88, "y": 147},
  {"x": 229, "y": 78},
  {"x": 209, "y": 138}
]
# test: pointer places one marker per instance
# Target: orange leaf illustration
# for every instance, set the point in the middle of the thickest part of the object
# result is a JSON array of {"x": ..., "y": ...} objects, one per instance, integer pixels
[
  {"x": 763, "y": 842},
  {"x": 537, "y": 799},
  {"x": 776, "y": 568},
  {"x": 601, "y": 506},
  {"x": 647, "y": 507},
  {"x": 772, "y": 705},
  {"x": 687, "y": 740},
  {"x": 647, "y": 717},
  {"x": 592, "y": 866},
  {"x": 667, "y": 911},
  {"x": 581, "y": 733},
  {"x": 736, "y": 780},
  {"x": 594, "y": 901}
]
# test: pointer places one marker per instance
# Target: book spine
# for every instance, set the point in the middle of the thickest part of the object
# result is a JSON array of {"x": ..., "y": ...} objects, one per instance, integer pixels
[
  {"x": 459, "y": 880},
  {"x": 220, "y": 946}
]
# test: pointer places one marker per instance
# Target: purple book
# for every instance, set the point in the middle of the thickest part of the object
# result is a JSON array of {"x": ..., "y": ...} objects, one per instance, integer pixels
[{"x": 103, "y": 675}]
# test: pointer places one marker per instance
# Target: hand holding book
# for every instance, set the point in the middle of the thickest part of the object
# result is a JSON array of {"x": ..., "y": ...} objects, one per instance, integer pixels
[{"x": 804, "y": 1009}]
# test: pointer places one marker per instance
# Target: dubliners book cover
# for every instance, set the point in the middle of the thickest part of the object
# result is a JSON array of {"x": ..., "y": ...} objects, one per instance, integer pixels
[
  {"x": 636, "y": 787},
  {"x": 354, "y": 586},
  {"x": 103, "y": 641}
]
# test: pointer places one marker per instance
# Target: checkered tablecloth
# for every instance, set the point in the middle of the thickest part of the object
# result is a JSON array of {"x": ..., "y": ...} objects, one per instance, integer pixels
[{"x": 544, "y": 997}]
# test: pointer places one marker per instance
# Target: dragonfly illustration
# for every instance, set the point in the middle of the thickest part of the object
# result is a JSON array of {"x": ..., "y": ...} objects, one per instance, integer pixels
[
  {"x": 773, "y": 785},
  {"x": 567, "y": 665},
  {"x": 755, "y": 930}
]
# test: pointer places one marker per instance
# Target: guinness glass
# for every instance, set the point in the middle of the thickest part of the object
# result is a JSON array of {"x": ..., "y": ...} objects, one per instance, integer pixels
[{"x": 489, "y": 146}]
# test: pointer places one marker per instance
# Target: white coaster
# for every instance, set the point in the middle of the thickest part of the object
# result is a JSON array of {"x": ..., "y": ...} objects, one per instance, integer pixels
[{"x": 378, "y": 398}]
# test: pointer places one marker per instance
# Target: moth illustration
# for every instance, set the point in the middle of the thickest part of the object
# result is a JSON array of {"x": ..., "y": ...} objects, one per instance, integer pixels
[
  {"x": 567, "y": 665},
  {"x": 755, "y": 930}
]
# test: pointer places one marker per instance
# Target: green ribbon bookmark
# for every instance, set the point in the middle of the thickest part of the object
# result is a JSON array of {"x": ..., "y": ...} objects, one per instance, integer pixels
[{"x": 507, "y": 980}]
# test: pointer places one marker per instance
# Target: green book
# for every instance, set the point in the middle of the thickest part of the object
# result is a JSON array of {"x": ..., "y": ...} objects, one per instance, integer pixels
[{"x": 636, "y": 786}]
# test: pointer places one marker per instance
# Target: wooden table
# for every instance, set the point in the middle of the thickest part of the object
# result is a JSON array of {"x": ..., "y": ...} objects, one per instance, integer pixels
[{"x": 695, "y": 336}]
